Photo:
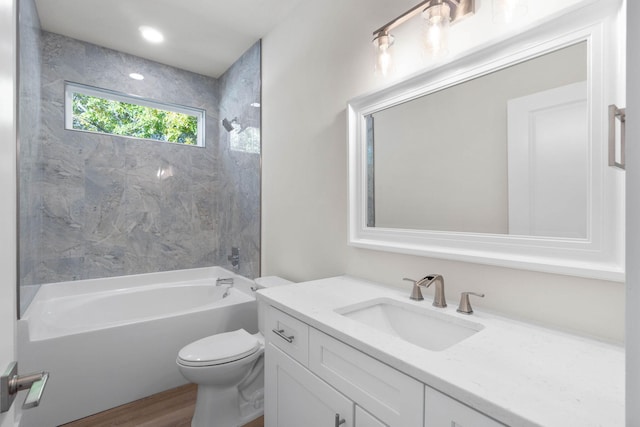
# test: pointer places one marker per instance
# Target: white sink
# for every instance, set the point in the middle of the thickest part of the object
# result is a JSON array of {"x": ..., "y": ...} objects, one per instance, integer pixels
[{"x": 422, "y": 326}]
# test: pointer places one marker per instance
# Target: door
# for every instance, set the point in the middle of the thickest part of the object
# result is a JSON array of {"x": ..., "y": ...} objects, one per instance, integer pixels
[
  {"x": 548, "y": 149},
  {"x": 633, "y": 215},
  {"x": 295, "y": 397},
  {"x": 7, "y": 193}
]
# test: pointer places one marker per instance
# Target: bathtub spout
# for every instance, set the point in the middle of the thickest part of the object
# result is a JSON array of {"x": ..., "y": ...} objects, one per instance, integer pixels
[{"x": 226, "y": 291}]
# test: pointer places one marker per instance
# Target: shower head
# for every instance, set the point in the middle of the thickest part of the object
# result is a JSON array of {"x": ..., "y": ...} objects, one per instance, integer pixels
[{"x": 231, "y": 125}]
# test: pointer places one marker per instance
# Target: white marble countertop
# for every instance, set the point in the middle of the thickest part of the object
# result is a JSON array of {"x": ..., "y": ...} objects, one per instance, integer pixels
[{"x": 519, "y": 374}]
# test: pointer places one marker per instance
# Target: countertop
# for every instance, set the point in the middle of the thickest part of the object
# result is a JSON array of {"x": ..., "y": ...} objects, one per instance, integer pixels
[{"x": 517, "y": 373}]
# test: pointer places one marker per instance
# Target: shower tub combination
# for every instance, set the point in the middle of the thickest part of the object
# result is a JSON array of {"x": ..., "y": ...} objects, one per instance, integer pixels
[{"x": 110, "y": 341}]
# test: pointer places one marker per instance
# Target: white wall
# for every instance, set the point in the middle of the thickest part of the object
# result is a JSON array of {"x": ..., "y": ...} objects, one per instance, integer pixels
[{"x": 313, "y": 63}]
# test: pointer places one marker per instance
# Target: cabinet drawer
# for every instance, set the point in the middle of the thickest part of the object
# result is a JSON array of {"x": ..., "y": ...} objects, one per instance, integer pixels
[
  {"x": 443, "y": 411},
  {"x": 288, "y": 334},
  {"x": 389, "y": 395},
  {"x": 365, "y": 419}
]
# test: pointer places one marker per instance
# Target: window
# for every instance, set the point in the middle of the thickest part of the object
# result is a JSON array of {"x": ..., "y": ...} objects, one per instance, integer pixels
[{"x": 97, "y": 110}]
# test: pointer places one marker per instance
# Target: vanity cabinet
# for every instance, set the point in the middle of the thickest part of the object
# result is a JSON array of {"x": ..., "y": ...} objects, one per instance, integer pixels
[
  {"x": 443, "y": 411},
  {"x": 391, "y": 396},
  {"x": 312, "y": 381},
  {"x": 295, "y": 397}
]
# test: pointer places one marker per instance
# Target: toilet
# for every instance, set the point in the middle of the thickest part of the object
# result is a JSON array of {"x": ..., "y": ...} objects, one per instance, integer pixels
[{"x": 228, "y": 369}]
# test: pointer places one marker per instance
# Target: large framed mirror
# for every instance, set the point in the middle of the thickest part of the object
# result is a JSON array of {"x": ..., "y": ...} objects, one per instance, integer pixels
[{"x": 496, "y": 158}]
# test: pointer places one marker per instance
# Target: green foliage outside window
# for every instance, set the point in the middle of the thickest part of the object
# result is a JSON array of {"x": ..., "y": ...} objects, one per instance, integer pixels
[{"x": 96, "y": 114}]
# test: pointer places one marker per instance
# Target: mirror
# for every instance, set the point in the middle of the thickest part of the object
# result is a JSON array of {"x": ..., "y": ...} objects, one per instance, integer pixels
[
  {"x": 496, "y": 158},
  {"x": 503, "y": 153}
]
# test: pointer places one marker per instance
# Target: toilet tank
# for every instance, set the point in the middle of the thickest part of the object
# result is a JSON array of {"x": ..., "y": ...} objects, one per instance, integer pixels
[{"x": 262, "y": 283}]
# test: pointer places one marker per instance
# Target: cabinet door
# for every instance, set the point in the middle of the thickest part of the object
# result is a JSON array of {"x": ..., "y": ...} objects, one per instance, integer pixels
[
  {"x": 443, "y": 411},
  {"x": 294, "y": 397},
  {"x": 365, "y": 419},
  {"x": 389, "y": 395}
]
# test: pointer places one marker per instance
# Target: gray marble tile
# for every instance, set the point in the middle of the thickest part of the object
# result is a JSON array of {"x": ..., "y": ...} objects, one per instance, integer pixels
[{"x": 96, "y": 205}]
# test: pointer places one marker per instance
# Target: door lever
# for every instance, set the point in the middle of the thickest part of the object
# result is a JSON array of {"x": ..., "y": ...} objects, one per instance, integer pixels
[{"x": 11, "y": 383}]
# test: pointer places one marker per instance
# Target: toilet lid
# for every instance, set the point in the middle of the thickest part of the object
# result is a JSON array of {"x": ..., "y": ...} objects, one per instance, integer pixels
[{"x": 220, "y": 348}]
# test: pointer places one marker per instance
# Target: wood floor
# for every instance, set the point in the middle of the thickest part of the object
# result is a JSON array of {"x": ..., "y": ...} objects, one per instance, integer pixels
[{"x": 172, "y": 408}]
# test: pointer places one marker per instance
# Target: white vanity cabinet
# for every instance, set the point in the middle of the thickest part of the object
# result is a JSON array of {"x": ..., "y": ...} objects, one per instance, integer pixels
[
  {"x": 386, "y": 393},
  {"x": 313, "y": 380},
  {"x": 443, "y": 411},
  {"x": 322, "y": 361},
  {"x": 309, "y": 387},
  {"x": 295, "y": 397}
]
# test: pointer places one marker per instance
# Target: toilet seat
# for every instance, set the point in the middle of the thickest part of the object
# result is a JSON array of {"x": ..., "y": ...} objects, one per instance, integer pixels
[{"x": 219, "y": 349}]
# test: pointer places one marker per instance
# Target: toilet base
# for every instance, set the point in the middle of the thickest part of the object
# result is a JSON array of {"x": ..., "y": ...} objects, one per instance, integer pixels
[
  {"x": 253, "y": 408},
  {"x": 216, "y": 407}
]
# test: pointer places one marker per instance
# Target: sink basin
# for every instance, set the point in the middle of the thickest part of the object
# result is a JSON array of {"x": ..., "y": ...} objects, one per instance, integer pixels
[{"x": 422, "y": 326}]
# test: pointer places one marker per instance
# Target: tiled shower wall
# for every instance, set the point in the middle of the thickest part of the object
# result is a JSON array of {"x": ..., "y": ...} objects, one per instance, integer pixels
[
  {"x": 240, "y": 170},
  {"x": 102, "y": 208}
]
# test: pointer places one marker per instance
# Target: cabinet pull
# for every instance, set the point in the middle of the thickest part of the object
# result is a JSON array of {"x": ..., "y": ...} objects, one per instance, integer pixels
[
  {"x": 339, "y": 421},
  {"x": 280, "y": 333}
]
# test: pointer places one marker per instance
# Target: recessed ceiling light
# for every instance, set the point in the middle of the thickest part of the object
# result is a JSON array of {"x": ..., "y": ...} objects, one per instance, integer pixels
[
  {"x": 151, "y": 34},
  {"x": 136, "y": 76}
]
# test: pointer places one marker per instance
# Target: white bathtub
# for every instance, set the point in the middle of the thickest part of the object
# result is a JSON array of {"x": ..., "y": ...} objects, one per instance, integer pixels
[{"x": 106, "y": 342}]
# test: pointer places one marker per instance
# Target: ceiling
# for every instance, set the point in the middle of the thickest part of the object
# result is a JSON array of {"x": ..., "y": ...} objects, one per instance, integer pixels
[{"x": 203, "y": 36}]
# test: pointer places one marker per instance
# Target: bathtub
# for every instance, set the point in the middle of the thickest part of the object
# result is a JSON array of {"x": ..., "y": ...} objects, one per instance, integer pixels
[{"x": 110, "y": 341}]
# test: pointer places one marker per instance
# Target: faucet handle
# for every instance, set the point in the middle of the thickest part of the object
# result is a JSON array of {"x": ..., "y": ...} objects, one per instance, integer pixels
[
  {"x": 416, "y": 293},
  {"x": 465, "y": 305}
]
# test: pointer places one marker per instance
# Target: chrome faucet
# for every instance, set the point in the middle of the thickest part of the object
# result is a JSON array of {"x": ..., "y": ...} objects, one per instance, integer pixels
[
  {"x": 465, "y": 306},
  {"x": 228, "y": 281},
  {"x": 438, "y": 299}
]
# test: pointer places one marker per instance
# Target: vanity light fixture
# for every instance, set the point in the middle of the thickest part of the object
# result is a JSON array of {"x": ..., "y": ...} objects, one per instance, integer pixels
[
  {"x": 151, "y": 34},
  {"x": 435, "y": 33},
  {"x": 438, "y": 15},
  {"x": 382, "y": 43}
]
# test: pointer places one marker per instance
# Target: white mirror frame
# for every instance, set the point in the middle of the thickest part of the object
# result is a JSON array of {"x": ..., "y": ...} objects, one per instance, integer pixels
[{"x": 601, "y": 254}]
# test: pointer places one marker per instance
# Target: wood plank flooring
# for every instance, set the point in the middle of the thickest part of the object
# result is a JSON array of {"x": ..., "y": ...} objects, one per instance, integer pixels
[{"x": 172, "y": 408}]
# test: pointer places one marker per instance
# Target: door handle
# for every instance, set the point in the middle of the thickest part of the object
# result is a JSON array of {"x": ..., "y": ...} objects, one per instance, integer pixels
[
  {"x": 621, "y": 115},
  {"x": 11, "y": 383}
]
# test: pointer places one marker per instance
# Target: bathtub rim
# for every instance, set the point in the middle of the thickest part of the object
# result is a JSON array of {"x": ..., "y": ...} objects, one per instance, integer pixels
[
  {"x": 87, "y": 286},
  {"x": 48, "y": 293}
]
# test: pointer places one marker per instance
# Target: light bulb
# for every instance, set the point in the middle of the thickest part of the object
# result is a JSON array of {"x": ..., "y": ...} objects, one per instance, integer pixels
[
  {"x": 508, "y": 11},
  {"x": 151, "y": 34},
  {"x": 436, "y": 23},
  {"x": 383, "y": 53}
]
